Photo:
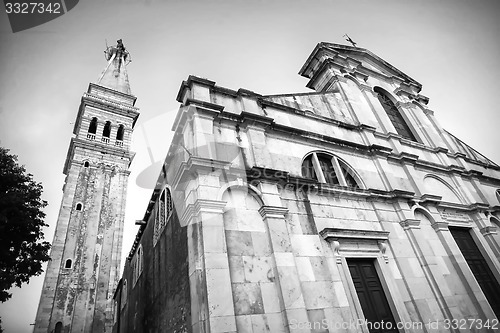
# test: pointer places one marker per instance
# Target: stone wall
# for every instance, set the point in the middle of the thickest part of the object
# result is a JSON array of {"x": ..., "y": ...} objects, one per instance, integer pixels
[{"x": 158, "y": 299}]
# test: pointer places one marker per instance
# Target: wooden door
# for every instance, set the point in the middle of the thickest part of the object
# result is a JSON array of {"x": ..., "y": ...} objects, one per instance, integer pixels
[
  {"x": 479, "y": 267},
  {"x": 371, "y": 295}
]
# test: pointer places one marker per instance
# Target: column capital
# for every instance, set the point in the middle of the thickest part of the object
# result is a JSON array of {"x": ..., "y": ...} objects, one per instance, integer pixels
[
  {"x": 440, "y": 226},
  {"x": 273, "y": 212},
  {"x": 488, "y": 230},
  {"x": 410, "y": 224},
  {"x": 201, "y": 206}
]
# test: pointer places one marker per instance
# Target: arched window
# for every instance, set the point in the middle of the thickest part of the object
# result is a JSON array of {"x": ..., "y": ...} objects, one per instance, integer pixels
[
  {"x": 138, "y": 264},
  {"x": 86, "y": 164},
  {"x": 139, "y": 259},
  {"x": 119, "y": 133},
  {"x": 119, "y": 136},
  {"x": 68, "y": 264},
  {"x": 329, "y": 169},
  {"x": 163, "y": 213},
  {"x": 93, "y": 126},
  {"x": 58, "y": 328},
  {"x": 107, "y": 130},
  {"x": 79, "y": 206},
  {"x": 92, "y": 129},
  {"x": 394, "y": 115}
]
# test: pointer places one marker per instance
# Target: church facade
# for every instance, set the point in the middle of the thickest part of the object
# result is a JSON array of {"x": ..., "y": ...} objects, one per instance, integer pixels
[{"x": 346, "y": 209}]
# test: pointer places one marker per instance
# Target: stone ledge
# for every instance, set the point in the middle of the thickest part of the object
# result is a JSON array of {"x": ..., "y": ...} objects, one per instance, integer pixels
[{"x": 336, "y": 233}]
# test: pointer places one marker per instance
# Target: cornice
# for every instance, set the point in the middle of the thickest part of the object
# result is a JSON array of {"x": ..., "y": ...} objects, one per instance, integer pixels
[
  {"x": 313, "y": 186},
  {"x": 104, "y": 104},
  {"x": 196, "y": 164},
  {"x": 110, "y": 103},
  {"x": 201, "y": 206},
  {"x": 204, "y": 105},
  {"x": 336, "y": 233},
  {"x": 247, "y": 118},
  {"x": 188, "y": 83},
  {"x": 436, "y": 200},
  {"x": 430, "y": 199},
  {"x": 404, "y": 157},
  {"x": 131, "y": 97},
  {"x": 96, "y": 147},
  {"x": 137, "y": 240},
  {"x": 309, "y": 114},
  {"x": 441, "y": 150}
]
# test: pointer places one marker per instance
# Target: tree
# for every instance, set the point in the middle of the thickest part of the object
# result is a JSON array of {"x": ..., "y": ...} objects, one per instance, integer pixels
[{"x": 22, "y": 250}]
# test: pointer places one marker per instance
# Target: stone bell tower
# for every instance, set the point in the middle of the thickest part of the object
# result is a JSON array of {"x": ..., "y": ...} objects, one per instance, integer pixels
[{"x": 80, "y": 280}]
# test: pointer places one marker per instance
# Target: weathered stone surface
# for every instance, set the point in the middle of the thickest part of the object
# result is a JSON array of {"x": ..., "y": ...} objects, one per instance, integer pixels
[{"x": 84, "y": 271}]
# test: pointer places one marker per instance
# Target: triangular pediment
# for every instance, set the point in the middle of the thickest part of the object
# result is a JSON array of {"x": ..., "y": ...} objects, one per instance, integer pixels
[{"x": 349, "y": 59}]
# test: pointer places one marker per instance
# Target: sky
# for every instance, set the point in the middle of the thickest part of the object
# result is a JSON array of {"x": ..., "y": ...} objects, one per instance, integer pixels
[{"x": 450, "y": 46}]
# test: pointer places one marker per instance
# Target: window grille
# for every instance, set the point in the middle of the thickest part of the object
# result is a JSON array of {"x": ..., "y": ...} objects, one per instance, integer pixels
[{"x": 329, "y": 169}]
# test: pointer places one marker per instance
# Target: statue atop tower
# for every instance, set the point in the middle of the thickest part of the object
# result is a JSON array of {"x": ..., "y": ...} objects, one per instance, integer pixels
[
  {"x": 115, "y": 75},
  {"x": 117, "y": 50}
]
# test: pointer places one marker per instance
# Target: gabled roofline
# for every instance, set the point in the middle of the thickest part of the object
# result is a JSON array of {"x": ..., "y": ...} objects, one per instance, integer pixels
[{"x": 344, "y": 50}]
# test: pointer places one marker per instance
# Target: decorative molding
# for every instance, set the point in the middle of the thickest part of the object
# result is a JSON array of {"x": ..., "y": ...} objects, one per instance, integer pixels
[
  {"x": 441, "y": 150},
  {"x": 365, "y": 87},
  {"x": 273, "y": 212},
  {"x": 201, "y": 206},
  {"x": 405, "y": 157},
  {"x": 195, "y": 164},
  {"x": 489, "y": 230},
  {"x": 402, "y": 91},
  {"x": 430, "y": 199},
  {"x": 473, "y": 173},
  {"x": 336, "y": 253},
  {"x": 456, "y": 168},
  {"x": 410, "y": 224},
  {"x": 440, "y": 226},
  {"x": 203, "y": 105},
  {"x": 380, "y": 150},
  {"x": 404, "y": 105},
  {"x": 383, "y": 248},
  {"x": 336, "y": 233},
  {"x": 367, "y": 127},
  {"x": 209, "y": 206},
  {"x": 108, "y": 102},
  {"x": 478, "y": 207},
  {"x": 453, "y": 215},
  {"x": 423, "y": 100},
  {"x": 428, "y": 112},
  {"x": 356, "y": 241}
]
